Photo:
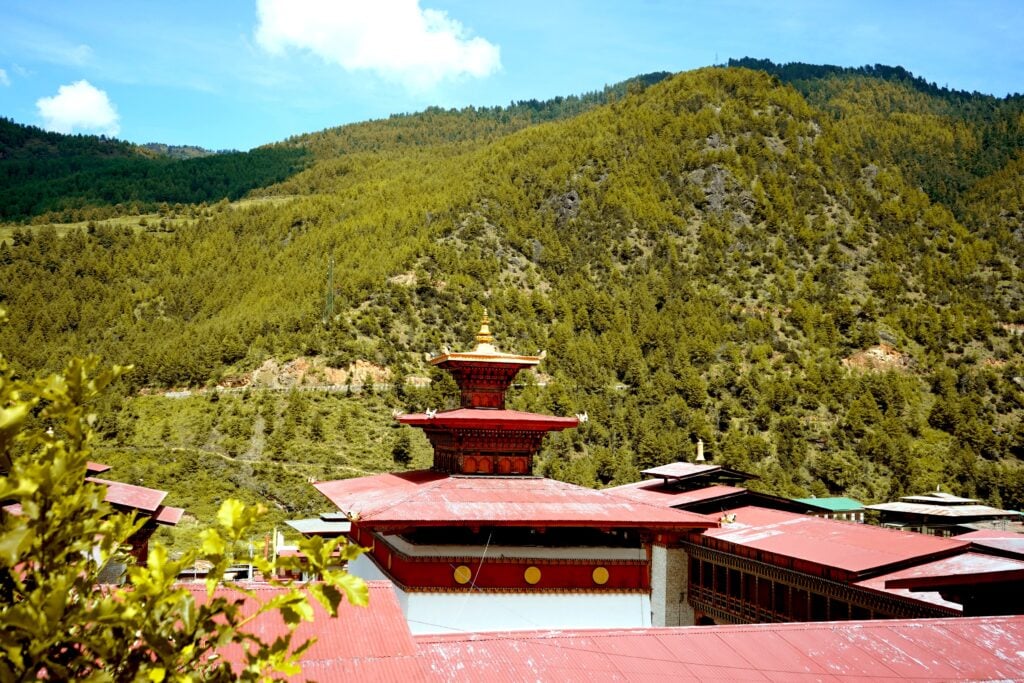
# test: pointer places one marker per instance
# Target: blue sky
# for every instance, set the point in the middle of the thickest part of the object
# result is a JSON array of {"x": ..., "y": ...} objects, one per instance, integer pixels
[{"x": 241, "y": 73}]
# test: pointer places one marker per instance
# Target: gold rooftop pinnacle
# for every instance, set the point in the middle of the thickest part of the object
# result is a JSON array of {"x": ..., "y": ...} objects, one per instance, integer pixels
[{"x": 484, "y": 335}]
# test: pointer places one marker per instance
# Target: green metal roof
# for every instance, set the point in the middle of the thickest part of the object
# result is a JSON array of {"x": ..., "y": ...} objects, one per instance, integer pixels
[{"x": 833, "y": 504}]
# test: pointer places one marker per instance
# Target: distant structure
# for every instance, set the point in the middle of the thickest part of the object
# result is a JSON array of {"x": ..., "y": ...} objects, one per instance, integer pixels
[
  {"x": 941, "y": 514},
  {"x": 774, "y": 559},
  {"x": 700, "y": 487},
  {"x": 145, "y": 502}
]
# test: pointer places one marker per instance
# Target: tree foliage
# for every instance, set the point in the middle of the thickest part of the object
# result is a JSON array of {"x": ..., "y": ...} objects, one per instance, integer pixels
[{"x": 57, "y": 622}]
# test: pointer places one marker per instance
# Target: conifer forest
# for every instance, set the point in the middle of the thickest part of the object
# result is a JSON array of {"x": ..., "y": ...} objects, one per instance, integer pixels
[{"x": 817, "y": 271}]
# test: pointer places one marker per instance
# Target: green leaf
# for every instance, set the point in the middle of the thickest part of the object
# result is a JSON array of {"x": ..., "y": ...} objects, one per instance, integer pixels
[
  {"x": 13, "y": 543},
  {"x": 327, "y": 595},
  {"x": 213, "y": 543},
  {"x": 12, "y": 418},
  {"x": 231, "y": 513},
  {"x": 356, "y": 590}
]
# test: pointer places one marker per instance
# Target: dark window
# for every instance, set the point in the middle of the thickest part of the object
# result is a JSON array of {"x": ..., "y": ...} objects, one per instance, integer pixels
[
  {"x": 764, "y": 594},
  {"x": 707, "y": 575},
  {"x": 750, "y": 588},
  {"x": 819, "y": 607},
  {"x": 734, "y": 583},
  {"x": 720, "y": 585},
  {"x": 781, "y": 605},
  {"x": 798, "y": 609}
]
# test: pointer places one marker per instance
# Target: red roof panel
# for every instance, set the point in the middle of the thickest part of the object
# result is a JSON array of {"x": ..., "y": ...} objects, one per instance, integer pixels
[
  {"x": 1007, "y": 543},
  {"x": 427, "y": 498},
  {"x": 853, "y": 548},
  {"x": 960, "y": 570},
  {"x": 168, "y": 515},
  {"x": 931, "y": 649},
  {"x": 366, "y": 644},
  {"x": 657, "y": 493},
  {"x": 96, "y": 467},
  {"x": 131, "y": 496}
]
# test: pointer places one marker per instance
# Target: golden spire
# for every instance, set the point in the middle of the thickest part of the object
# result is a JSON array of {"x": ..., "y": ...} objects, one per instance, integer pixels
[{"x": 484, "y": 335}]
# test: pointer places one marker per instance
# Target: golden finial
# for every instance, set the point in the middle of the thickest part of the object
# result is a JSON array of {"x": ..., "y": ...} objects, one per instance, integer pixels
[{"x": 484, "y": 335}]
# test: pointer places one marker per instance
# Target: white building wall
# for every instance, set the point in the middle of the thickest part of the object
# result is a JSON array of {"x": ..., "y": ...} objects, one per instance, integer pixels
[
  {"x": 480, "y": 611},
  {"x": 455, "y": 612}
]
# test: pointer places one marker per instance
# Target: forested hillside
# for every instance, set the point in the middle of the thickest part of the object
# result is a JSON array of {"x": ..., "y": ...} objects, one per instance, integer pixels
[
  {"x": 83, "y": 177},
  {"x": 821, "y": 279}
]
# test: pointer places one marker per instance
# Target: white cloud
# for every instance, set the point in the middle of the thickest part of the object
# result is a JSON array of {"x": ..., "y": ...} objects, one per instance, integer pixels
[
  {"x": 79, "y": 107},
  {"x": 4, "y": 78},
  {"x": 397, "y": 39}
]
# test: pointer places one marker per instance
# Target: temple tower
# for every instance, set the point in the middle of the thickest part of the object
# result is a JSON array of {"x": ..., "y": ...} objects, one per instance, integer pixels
[{"x": 481, "y": 436}]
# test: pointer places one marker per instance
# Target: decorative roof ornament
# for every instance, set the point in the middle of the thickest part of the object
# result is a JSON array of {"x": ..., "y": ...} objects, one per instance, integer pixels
[{"x": 484, "y": 336}]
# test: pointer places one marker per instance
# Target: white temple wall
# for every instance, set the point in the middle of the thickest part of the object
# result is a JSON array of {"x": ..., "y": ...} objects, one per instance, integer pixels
[{"x": 455, "y": 612}]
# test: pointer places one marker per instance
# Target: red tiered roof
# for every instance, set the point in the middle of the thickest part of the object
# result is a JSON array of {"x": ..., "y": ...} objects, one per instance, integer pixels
[
  {"x": 484, "y": 374},
  {"x": 482, "y": 437}
]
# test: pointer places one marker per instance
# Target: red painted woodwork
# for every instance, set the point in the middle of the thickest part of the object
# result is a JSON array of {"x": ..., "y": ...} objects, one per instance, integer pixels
[
  {"x": 507, "y": 574},
  {"x": 483, "y": 384}
]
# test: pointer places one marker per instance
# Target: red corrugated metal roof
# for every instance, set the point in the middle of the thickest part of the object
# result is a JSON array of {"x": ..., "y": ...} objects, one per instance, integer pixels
[
  {"x": 971, "y": 649},
  {"x": 657, "y": 493},
  {"x": 425, "y": 498},
  {"x": 485, "y": 418},
  {"x": 1006, "y": 543},
  {"x": 853, "y": 548},
  {"x": 961, "y": 570},
  {"x": 131, "y": 496},
  {"x": 124, "y": 498},
  {"x": 168, "y": 515},
  {"x": 365, "y": 644}
]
